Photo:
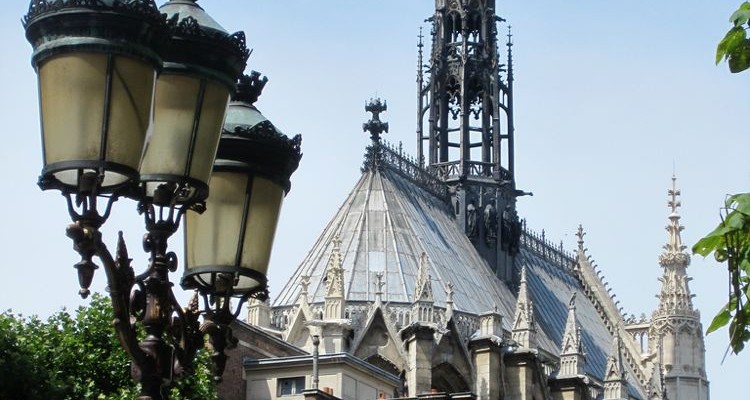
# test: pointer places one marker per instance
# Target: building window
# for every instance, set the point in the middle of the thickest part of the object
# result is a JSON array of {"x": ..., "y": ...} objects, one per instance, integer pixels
[{"x": 290, "y": 386}]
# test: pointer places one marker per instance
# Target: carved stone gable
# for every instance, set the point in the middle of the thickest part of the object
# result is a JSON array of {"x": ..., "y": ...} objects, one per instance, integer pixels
[{"x": 423, "y": 289}]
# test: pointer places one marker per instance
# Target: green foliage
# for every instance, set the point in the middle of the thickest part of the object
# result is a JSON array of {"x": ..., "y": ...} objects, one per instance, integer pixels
[
  {"x": 77, "y": 357},
  {"x": 730, "y": 244},
  {"x": 735, "y": 47}
]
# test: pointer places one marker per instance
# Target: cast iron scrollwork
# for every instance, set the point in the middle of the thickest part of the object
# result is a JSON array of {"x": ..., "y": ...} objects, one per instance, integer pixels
[{"x": 172, "y": 335}]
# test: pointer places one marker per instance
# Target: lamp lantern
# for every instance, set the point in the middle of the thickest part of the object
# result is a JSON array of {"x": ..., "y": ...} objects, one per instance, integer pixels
[
  {"x": 229, "y": 246},
  {"x": 132, "y": 103},
  {"x": 96, "y": 63},
  {"x": 201, "y": 63}
]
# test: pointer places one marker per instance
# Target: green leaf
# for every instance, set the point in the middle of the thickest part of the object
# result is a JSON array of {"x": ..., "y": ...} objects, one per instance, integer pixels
[
  {"x": 708, "y": 244},
  {"x": 739, "y": 57},
  {"x": 730, "y": 43},
  {"x": 720, "y": 320},
  {"x": 740, "y": 202},
  {"x": 740, "y": 17}
]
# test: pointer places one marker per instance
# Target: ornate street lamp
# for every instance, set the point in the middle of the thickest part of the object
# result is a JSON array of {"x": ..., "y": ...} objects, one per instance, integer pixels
[
  {"x": 132, "y": 103},
  {"x": 96, "y": 68},
  {"x": 228, "y": 247}
]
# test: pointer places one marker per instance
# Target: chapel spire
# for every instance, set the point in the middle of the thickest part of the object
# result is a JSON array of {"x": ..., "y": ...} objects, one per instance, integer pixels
[
  {"x": 680, "y": 352},
  {"x": 465, "y": 126},
  {"x": 467, "y": 98},
  {"x": 675, "y": 296}
]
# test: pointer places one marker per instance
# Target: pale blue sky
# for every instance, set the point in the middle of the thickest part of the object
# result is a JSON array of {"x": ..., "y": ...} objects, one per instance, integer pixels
[{"x": 610, "y": 97}]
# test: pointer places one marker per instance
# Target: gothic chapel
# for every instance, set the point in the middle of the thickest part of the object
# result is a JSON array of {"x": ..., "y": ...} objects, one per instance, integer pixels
[{"x": 426, "y": 284}]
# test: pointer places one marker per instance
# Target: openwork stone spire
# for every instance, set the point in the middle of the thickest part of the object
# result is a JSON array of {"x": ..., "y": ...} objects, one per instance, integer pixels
[
  {"x": 572, "y": 355},
  {"x": 334, "y": 299},
  {"x": 675, "y": 334},
  {"x": 675, "y": 297},
  {"x": 615, "y": 384},
  {"x": 422, "y": 307},
  {"x": 524, "y": 327},
  {"x": 335, "y": 271},
  {"x": 423, "y": 289}
]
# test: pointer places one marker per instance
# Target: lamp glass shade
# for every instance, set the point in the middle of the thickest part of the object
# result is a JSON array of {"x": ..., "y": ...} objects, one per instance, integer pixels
[
  {"x": 95, "y": 111},
  {"x": 188, "y": 116},
  {"x": 234, "y": 235}
]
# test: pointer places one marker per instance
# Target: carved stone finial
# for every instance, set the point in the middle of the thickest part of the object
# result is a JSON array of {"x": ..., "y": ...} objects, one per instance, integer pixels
[
  {"x": 449, "y": 292},
  {"x": 524, "y": 327},
  {"x": 572, "y": 355},
  {"x": 423, "y": 289},
  {"x": 379, "y": 283},
  {"x": 249, "y": 87},
  {"x": 674, "y": 249},
  {"x": 580, "y": 234},
  {"x": 335, "y": 271},
  {"x": 448, "y": 300},
  {"x": 615, "y": 382},
  {"x": 304, "y": 283},
  {"x": 336, "y": 243},
  {"x": 335, "y": 297},
  {"x": 422, "y": 306},
  {"x": 375, "y": 126}
]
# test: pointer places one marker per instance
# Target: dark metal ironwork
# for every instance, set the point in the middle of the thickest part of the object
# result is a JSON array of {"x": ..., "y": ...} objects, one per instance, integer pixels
[
  {"x": 465, "y": 125},
  {"x": 375, "y": 126},
  {"x": 170, "y": 344},
  {"x": 383, "y": 155},
  {"x": 251, "y": 149},
  {"x": 144, "y": 303},
  {"x": 466, "y": 101}
]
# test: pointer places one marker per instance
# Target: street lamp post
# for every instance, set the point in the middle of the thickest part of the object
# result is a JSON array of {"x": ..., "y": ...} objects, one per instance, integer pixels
[{"x": 132, "y": 102}]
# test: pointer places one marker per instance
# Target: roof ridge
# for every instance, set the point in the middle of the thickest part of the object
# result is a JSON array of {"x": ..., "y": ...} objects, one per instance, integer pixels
[
  {"x": 542, "y": 246},
  {"x": 382, "y": 154},
  {"x": 596, "y": 290}
]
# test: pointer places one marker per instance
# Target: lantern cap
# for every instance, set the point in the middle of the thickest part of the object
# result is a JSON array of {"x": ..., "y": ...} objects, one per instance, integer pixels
[
  {"x": 125, "y": 27},
  {"x": 251, "y": 143},
  {"x": 200, "y": 45},
  {"x": 190, "y": 9}
]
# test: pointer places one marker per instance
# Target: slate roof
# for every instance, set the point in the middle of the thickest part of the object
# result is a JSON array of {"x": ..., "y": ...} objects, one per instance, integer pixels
[
  {"x": 385, "y": 224},
  {"x": 551, "y": 282},
  {"x": 389, "y": 219}
]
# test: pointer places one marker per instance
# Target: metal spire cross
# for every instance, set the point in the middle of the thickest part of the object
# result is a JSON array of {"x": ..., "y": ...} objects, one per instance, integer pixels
[
  {"x": 674, "y": 193},
  {"x": 375, "y": 126},
  {"x": 674, "y": 228}
]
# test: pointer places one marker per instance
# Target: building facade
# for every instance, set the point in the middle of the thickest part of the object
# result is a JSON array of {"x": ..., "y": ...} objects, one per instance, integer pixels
[{"x": 427, "y": 284}]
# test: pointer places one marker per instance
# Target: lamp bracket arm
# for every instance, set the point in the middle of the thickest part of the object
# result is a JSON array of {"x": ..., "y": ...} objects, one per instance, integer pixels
[
  {"x": 120, "y": 280},
  {"x": 190, "y": 338}
]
